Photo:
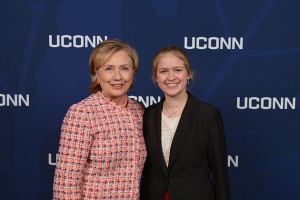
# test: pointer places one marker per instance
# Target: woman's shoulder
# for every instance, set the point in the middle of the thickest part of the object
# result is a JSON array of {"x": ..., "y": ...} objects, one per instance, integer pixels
[
  {"x": 135, "y": 104},
  {"x": 207, "y": 105},
  {"x": 154, "y": 107},
  {"x": 85, "y": 103},
  {"x": 204, "y": 105}
]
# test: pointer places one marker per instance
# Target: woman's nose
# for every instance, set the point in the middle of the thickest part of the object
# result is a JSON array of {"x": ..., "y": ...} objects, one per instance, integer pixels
[
  {"x": 171, "y": 75},
  {"x": 117, "y": 75}
]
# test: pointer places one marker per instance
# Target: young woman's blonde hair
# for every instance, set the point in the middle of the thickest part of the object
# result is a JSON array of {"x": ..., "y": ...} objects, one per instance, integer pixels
[{"x": 176, "y": 51}]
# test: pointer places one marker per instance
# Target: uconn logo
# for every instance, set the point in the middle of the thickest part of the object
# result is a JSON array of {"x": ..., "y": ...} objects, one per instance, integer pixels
[
  {"x": 14, "y": 100},
  {"x": 76, "y": 41},
  {"x": 147, "y": 100},
  {"x": 213, "y": 43},
  {"x": 266, "y": 103}
]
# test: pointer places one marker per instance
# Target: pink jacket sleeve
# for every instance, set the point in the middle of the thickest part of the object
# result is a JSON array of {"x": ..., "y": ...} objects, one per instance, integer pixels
[{"x": 75, "y": 141}]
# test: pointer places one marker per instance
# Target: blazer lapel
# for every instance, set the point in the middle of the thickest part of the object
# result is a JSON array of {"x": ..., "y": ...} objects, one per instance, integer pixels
[
  {"x": 156, "y": 136},
  {"x": 184, "y": 127}
]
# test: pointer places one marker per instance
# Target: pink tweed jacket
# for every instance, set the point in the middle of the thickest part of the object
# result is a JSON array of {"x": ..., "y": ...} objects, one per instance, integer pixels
[{"x": 101, "y": 151}]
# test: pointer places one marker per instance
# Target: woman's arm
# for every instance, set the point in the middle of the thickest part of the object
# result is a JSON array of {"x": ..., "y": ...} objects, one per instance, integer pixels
[
  {"x": 74, "y": 146},
  {"x": 218, "y": 156}
]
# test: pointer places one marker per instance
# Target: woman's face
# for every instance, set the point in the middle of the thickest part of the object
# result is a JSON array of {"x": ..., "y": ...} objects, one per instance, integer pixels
[
  {"x": 171, "y": 75},
  {"x": 116, "y": 75}
]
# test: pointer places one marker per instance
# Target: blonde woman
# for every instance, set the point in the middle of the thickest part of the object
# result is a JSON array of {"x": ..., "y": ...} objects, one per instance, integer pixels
[
  {"x": 184, "y": 136},
  {"x": 102, "y": 150}
]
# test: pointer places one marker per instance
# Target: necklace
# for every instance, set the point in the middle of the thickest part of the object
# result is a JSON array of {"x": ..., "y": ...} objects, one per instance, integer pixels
[{"x": 170, "y": 115}]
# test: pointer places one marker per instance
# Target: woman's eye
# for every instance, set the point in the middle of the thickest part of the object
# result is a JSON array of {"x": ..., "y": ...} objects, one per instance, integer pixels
[
  {"x": 178, "y": 70},
  {"x": 125, "y": 68},
  {"x": 163, "y": 71},
  {"x": 108, "y": 68}
]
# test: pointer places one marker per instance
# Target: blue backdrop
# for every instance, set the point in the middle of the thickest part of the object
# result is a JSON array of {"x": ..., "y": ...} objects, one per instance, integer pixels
[{"x": 246, "y": 56}]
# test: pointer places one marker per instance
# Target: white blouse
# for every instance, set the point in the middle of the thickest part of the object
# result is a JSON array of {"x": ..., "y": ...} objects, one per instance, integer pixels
[{"x": 168, "y": 129}]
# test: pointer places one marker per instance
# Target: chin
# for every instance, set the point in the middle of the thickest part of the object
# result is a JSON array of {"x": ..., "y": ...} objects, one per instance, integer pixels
[
  {"x": 121, "y": 92},
  {"x": 174, "y": 93},
  {"x": 118, "y": 94}
]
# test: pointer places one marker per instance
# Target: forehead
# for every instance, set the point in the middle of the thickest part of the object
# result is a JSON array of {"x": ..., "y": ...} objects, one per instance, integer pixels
[
  {"x": 119, "y": 57},
  {"x": 169, "y": 60}
]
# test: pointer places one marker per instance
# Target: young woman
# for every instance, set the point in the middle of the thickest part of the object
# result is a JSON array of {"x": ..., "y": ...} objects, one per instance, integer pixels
[
  {"x": 184, "y": 136},
  {"x": 102, "y": 150}
]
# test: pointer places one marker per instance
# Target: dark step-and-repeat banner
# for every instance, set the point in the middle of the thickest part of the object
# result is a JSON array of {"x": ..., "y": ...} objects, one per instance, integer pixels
[{"x": 246, "y": 56}]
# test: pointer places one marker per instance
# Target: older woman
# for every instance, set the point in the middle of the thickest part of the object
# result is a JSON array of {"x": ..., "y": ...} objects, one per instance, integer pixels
[{"x": 102, "y": 151}]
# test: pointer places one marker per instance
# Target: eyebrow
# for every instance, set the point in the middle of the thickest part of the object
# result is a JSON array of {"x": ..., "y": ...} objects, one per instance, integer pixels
[
  {"x": 123, "y": 65},
  {"x": 171, "y": 67}
]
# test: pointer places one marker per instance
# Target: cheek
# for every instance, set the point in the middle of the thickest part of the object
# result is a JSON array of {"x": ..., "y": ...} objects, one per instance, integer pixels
[
  {"x": 185, "y": 78},
  {"x": 99, "y": 75},
  {"x": 160, "y": 83},
  {"x": 160, "y": 79},
  {"x": 128, "y": 77},
  {"x": 104, "y": 77}
]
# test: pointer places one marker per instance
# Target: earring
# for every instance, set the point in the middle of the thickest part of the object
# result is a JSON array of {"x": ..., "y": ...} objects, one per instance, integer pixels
[{"x": 188, "y": 81}]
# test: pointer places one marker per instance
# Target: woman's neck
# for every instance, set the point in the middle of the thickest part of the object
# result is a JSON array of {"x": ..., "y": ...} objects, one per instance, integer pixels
[
  {"x": 172, "y": 102},
  {"x": 120, "y": 101}
]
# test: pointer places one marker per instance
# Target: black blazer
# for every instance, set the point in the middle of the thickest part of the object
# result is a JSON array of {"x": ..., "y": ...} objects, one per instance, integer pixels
[{"x": 197, "y": 167}]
